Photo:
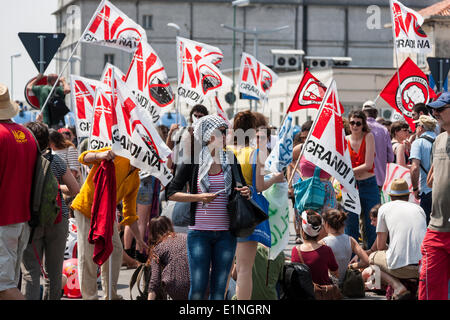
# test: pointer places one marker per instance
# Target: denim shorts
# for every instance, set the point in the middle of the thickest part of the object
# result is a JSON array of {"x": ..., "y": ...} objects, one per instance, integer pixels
[{"x": 145, "y": 193}]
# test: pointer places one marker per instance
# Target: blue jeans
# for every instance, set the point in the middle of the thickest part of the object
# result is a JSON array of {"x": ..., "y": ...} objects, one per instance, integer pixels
[
  {"x": 369, "y": 196},
  {"x": 425, "y": 203},
  {"x": 207, "y": 249}
]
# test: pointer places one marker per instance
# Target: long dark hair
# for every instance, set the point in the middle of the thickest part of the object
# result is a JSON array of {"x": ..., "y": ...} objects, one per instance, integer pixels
[
  {"x": 58, "y": 139},
  {"x": 159, "y": 230}
]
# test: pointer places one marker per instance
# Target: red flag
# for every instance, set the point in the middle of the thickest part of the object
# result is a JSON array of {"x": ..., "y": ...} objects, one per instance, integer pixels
[
  {"x": 413, "y": 89},
  {"x": 309, "y": 93}
]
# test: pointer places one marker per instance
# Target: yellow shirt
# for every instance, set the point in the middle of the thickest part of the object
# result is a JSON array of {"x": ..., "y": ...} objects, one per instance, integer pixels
[
  {"x": 127, "y": 186},
  {"x": 243, "y": 156}
]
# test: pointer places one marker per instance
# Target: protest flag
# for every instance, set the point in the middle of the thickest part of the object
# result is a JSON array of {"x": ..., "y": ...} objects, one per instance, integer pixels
[
  {"x": 82, "y": 91},
  {"x": 221, "y": 113},
  {"x": 396, "y": 171},
  {"x": 147, "y": 78},
  {"x": 406, "y": 28},
  {"x": 198, "y": 71},
  {"x": 102, "y": 119},
  {"x": 255, "y": 79},
  {"x": 135, "y": 137},
  {"x": 281, "y": 155},
  {"x": 406, "y": 88},
  {"x": 113, "y": 28},
  {"x": 309, "y": 93},
  {"x": 327, "y": 147}
]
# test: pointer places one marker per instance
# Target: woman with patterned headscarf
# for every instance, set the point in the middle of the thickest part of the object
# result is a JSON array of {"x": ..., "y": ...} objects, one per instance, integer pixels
[{"x": 209, "y": 240}]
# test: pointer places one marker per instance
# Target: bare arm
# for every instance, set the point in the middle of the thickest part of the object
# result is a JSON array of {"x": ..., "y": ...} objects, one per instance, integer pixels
[
  {"x": 415, "y": 173},
  {"x": 382, "y": 240},
  {"x": 362, "y": 255},
  {"x": 430, "y": 177},
  {"x": 69, "y": 184},
  {"x": 261, "y": 183},
  {"x": 33, "y": 82}
]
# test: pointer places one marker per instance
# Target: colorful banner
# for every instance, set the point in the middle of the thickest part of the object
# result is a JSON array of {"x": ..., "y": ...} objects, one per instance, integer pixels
[
  {"x": 111, "y": 27},
  {"x": 309, "y": 93},
  {"x": 413, "y": 89},
  {"x": 408, "y": 35},
  {"x": 281, "y": 155},
  {"x": 147, "y": 78},
  {"x": 108, "y": 73},
  {"x": 221, "y": 113},
  {"x": 198, "y": 72},
  {"x": 256, "y": 79},
  {"x": 82, "y": 91},
  {"x": 102, "y": 119},
  {"x": 134, "y": 136},
  {"x": 327, "y": 148}
]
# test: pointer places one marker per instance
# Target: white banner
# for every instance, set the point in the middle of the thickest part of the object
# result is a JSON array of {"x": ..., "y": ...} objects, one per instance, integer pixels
[
  {"x": 134, "y": 136},
  {"x": 111, "y": 27},
  {"x": 102, "y": 119},
  {"x": 327, "y": 148},
  {"x": 408, "y": 35},
  {"x": 147, "y": 78},
  {"x": 83, "y": 94},
  {"x": 256, "y": 79},
  {"x": 198, "y": 72},
  {"x": 281, "y": 155},
  {"x": 395, "y": 171}
]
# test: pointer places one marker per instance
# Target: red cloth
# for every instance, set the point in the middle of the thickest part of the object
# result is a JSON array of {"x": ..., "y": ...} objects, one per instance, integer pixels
[
  {"x": 18, "y": 152},
  {"x": 360, "y": 157},
  {"x": 103, "y": 212},
  {"x": 319, "y": 262}
]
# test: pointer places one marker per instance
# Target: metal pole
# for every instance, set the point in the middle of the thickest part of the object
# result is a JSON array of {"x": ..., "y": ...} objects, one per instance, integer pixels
[
  {"x": 441, "y": 75},
  {"x": 255, "y": 54},
  {"x": 234, "y": 58},
  {"x": 41, "y": 54}
]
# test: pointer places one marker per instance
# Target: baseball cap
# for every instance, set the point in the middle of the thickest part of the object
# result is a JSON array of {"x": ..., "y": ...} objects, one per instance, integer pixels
[
  {"x": 369, "y": 104},
  {"x": 443, "y": 100},
  {"x": 427, "y": 121}
]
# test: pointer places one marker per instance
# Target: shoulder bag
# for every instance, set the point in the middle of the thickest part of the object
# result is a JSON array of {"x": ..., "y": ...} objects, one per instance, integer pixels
[{"x": 310, "y": 193}]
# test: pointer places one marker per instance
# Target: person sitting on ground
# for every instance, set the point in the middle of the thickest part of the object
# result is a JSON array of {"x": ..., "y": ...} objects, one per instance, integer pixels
[
  {"x": 400, "y": 260},
  {"x": 343, "y": 246},
  {"x": 318, "y": 257},
  {"x": 168, "y": 260}
]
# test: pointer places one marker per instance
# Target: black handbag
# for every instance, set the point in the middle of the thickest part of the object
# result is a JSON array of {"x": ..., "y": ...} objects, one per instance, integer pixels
[{"x": 245, "y": 214}]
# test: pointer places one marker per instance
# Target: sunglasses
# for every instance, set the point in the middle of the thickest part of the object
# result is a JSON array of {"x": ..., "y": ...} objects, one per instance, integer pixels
[{"x": 356, "y": 123}]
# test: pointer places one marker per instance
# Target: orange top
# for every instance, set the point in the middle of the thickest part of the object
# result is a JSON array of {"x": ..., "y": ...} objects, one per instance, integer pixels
[{"x": 360, "y": 157}]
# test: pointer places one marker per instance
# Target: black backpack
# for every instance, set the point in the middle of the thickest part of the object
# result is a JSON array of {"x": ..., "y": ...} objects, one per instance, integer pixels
[
  {"x": 57, "y": 108},
  {"x": 296, "y": 283}
]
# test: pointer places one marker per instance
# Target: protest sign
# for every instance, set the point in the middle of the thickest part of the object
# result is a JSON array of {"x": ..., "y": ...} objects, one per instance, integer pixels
[{"x": 281, "y": 155}]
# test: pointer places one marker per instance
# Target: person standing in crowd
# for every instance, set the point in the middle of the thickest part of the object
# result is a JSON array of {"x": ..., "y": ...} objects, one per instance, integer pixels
[
  {"x": 343, "y": 246},
  {"x": 42, "y": 92},
  {"x": 18, "y": 151},
  {"x": 211, "y": 246},
  {"x": 434, "y": 274},
  {"x": 48, "y": 243},
  {"x": 400, "y": 143},
  {"x": 127, "y": 184},
  {"x": 244, "y": 126},
  {"x": 361, "y": 143},
  {"x": 168, "y": 260},
  {"x": 420, "y": 109},
  {"x": 63, "y": 147},
  {"x": 421, "y": 161},
  {"x": 318, "y": 257},
  {"x": 400, "y": 259},
  {"x": 383, "y": 144}
]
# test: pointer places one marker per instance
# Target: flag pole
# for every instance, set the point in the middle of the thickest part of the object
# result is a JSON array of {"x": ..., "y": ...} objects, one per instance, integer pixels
[
  {"x": 310, "y": 131},
  {"x": 70, "y": 57}
]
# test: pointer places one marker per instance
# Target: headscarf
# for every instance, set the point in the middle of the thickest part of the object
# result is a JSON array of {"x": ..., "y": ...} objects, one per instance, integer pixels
[
  {"x": 308, "y": 228},
  {"x": 203, "y": 130}
]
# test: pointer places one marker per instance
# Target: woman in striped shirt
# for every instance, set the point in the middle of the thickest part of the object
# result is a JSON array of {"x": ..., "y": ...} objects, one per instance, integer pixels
[{"x": 209, "y": 241}]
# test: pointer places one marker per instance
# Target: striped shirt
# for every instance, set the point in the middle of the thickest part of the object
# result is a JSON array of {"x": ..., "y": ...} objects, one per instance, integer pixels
[
  {"x": 70, "y": 156},
  {"x": 213, "y": 217}
]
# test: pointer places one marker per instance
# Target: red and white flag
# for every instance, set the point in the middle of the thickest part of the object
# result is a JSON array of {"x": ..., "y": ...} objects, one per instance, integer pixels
[
  {"x": 111, "y": 27},
  {"x": 221, "y": 113},
  {"x": 107, "y": 74},
  {"x": 256, "y": 79},
  {"x": 413, "y": 89},
  {"x": 102, "y": 119},
  {"x": 147, "y": 78},
  {"x": 327, "y": 147},
  {"x": 309, "y": 93},
  {"x": 198, "y": 71},
  {"x": 83, "y": 94},
  {"x": 406, "y": 27},
  {"x": 135, "y": 137}
]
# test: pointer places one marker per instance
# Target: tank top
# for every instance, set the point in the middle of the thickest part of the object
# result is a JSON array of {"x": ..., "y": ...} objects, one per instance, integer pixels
[
  {"x": 307, "y": 169},
  {"x": 360, "y": 157},
  {"x": 243, "y": 156},
  {"x": 342, "y": 249}
]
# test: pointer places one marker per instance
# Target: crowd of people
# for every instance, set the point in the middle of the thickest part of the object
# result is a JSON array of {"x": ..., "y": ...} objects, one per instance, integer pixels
[{"x": 202, "y": 259}]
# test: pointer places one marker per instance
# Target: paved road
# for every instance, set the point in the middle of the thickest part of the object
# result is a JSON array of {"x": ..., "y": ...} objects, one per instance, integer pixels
[{"x": 125, "y": 274}]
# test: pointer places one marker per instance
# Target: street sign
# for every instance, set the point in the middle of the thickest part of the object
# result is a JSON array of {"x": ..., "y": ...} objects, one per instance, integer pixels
[
  {"x": 41, "y": 47},
  {"x": 32, "y": 100},
  {"x": 439, "y": 68}
]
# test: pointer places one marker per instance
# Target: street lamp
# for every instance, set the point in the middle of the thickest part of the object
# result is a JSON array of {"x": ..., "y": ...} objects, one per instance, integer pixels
[
  {"x": 175, "y": 26},
  {"x": 12, "y": 74},
  {"x": 234, "y": 4}
]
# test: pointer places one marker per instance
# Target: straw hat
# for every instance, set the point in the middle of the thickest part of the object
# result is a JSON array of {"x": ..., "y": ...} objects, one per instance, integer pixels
[
  {"x": 399, "y": 187},
  {"x": 8, "y": 108},
  {"x": 428, "y": 122}
]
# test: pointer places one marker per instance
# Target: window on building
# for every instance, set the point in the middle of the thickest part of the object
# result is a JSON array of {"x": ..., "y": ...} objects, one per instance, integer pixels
[
  {"x": 147, "y": 22},
  {"x": 109, "y": 58}
]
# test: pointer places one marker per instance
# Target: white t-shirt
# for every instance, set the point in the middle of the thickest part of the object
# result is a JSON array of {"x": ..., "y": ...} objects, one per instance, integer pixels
[{"x": 406, "y": 224}]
